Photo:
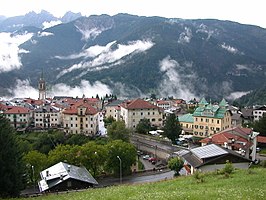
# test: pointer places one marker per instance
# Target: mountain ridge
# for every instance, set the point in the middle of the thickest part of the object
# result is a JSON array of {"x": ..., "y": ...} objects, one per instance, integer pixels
[{"x": 137, "y": 55}]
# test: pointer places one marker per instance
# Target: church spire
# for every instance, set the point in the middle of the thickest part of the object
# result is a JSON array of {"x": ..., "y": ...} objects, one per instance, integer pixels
[{"x": 42, "y": 87}]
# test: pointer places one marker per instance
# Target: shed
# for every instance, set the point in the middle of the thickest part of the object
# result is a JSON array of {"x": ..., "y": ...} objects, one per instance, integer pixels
[{"x": 63, "y": 176}]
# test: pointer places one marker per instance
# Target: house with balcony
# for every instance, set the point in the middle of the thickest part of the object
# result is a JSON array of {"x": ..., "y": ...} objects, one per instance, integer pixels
[{"x": 47, "y": 117}]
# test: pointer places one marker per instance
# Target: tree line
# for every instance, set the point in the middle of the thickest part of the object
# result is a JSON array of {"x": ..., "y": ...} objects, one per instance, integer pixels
[{"x": 24, "y": 156}]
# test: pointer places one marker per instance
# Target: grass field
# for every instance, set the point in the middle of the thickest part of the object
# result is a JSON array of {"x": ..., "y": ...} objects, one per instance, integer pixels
[{"x": 242, "y": 184}]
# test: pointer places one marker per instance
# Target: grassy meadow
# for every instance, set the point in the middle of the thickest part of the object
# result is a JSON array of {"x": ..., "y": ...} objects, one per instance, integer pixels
[{"x": 242, "y": 184}]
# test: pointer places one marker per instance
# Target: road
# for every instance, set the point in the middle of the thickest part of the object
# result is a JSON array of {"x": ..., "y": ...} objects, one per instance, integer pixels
[{"x": 146, "y": 177}]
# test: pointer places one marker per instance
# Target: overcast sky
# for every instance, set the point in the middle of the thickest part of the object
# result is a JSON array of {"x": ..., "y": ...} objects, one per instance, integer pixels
[{"x": 243, "y": 11}]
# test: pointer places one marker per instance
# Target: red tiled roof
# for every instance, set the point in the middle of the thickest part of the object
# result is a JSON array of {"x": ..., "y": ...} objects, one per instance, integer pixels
[
  {"x": 17, "y": 110},
  {"x": 3, "y": 107},
  {"x": 179, "y": 101},
  {"x": 74, "y": 109},
  {"x": 138, "y": 104},
  {"x": 221, "y": 138},
  {"x": 261, "y": 139},
  {"x": 33, "y": 101},
  {"x": 162, "y": 102}
]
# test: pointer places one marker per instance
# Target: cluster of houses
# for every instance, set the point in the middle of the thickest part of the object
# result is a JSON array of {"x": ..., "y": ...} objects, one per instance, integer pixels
[
  {"x": 82, "y": 115},
  {"x": 219, "y": 126}
]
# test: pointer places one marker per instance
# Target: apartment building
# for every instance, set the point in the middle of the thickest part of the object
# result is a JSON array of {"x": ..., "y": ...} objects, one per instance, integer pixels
[
  {"x": 208, "y": 119},
  {"x": 19, "y": 117},
  {"x": 47, "y": 117},
  {"x": 81, "y": 118},
  {"x": 132, "y": 112}
]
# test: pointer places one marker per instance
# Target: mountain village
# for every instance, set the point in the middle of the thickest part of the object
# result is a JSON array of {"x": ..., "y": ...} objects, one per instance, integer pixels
[{"x": 221, "y": 130}]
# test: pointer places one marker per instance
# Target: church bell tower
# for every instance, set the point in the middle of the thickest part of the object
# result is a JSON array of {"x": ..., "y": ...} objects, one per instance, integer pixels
[{"x": 42, "y": 88}]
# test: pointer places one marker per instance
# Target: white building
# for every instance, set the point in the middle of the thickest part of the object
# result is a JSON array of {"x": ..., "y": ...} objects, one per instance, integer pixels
[
  {"x": 259, "y": 112},
  {"x": 132, "y": 112},
  {"x": 47, "y": 117},
  {"x": 81, "y": 118}
]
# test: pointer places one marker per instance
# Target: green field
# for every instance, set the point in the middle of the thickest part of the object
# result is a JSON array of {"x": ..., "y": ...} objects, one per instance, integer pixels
[{"x": 242, "y": 184}]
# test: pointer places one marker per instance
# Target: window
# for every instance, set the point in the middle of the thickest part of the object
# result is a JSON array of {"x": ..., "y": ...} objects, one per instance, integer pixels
[
  {"x": 196, "y": 126},
  {"x": 218, "y": 121},
  {"x": 133, "y": 113},
  {"x": 201, "y": 119},
  {"x": 196, "y": 119},
  {"x": 201, "y": 127},
  {"x": 153, "y": 119},
  {"x": 148, "y": 113},
  {"x": 207, "y": 120},
  {"x": 141, "y": 113}
]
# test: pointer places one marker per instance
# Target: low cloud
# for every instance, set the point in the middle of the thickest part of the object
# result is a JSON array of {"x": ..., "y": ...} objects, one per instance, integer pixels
[
  {"x": 202, "y": 28},
  {"x": 85, "y": 88},
  {"x": 9, "y": 51},
  {"x": 185, "y": 36},
  {"x": 50, "y": 24},
  {"x": 88, "y": 53},
  {"x": 23, "y": 89},
  {"x": 90, "y": 29},
  {"x": 230, "y": 49},
  {"x": 236, "y": 95},
  {"x": 108, "y": 56},
  {"x": 44, "y": 34},
  {"x": 173, "y": 83}
]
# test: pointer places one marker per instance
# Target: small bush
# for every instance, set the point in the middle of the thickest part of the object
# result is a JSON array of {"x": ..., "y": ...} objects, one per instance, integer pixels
[
  {"x": 228, "y": 168},
  {"x": 263, "y": 163},
  {"x": 199, "y": 176}
]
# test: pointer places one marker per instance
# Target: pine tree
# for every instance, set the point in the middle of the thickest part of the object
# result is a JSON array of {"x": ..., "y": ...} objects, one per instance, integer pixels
[
  {"x": 11, "y": 167},
  {"x": 172, "y": 128}
]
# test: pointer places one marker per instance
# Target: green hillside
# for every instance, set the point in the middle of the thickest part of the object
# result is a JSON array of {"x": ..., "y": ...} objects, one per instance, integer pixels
[{"x": 242, "y": 184}]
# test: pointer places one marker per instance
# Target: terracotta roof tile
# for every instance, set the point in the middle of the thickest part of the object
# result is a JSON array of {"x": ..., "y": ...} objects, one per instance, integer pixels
[
  {"x": 138, "y": 104},
  {"x": 74, "y": 109},
  {"x": 17, "y": 110},
  {"x": 261, "y": 139}
]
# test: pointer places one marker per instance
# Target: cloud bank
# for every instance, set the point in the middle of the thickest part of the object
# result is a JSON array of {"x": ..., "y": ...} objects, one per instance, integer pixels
[
  {"x": 9, "y": 51},
  {"x": 106, "y": 56},
  {"x": 50, "y": 24},
  {"x": 23, "y": 89},
  {"x": 230, "y": 49},
  {"x": 175, "y": 84}
]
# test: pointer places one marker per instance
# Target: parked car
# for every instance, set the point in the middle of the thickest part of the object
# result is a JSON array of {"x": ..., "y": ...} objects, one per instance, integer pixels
[
  {"x": 152, "y": 159},
  {"x": 146, "y": 157}
]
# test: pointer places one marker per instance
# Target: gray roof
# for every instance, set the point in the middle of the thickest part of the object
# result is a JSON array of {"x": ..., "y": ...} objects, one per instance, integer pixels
[
  {"x": 60, "y": 172},
  {"x": 115, "y": 103},
  {"x": 203, "y": 155},
  {"x": 208, "y": 151}
]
